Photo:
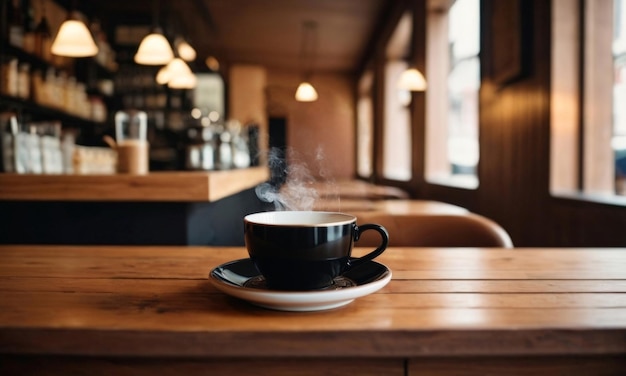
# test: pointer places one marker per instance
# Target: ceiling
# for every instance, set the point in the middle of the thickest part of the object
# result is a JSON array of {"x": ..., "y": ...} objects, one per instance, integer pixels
[{"x": 265, "y": 32}]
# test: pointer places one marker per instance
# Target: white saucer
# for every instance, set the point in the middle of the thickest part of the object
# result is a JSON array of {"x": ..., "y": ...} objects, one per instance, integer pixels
[{"x": 231, "y": 278}]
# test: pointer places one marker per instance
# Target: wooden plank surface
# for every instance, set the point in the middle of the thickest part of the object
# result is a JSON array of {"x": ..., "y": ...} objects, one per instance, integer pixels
[
  {"x": 519, "y": 366},
  {"x": 176, "y": 367},
  {"x": 157, "y": 301},
  {"x": 182, "y": 186}
]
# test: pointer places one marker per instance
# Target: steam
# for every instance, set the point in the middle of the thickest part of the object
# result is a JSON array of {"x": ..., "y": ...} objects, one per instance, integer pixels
[{"x": 292, "y": 185}]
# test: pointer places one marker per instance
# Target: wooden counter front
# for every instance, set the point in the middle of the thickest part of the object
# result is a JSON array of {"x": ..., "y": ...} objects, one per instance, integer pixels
[
  {"x": 167, "y": 208},
  {"x": 162, "y": 186}
]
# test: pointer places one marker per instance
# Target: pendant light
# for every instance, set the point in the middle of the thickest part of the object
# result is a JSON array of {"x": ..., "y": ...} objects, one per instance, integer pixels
[
  {"x": 180, "y": 75},
  {"x": 163, "y": 76},
  {"x": 184, "y": 50},
  {"x": 177, "y": 75},
  {"x": 184, "y": 81},
  {"x": 306, "y": 92},
  {"x": 154, "y": 49},
  {"x": 412, "y": 79},
  {"x": 74, "y": 39}
]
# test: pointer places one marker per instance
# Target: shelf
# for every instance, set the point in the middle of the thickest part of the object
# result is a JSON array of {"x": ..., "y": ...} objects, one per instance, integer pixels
[
  {"x": 43, "y": 112},
  {"x": 35, "y": 61},
  {"x": 38, "y": 63},
  {"x": 86, "y": 70}
]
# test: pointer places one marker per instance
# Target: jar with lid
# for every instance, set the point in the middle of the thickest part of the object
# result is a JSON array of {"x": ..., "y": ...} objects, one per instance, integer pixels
[
  {"x": 43, "y": 37},
  {"x": 28, "y": 38},
  {"x": 15, "y": 24},
  {"x": 23, "y": 81},
  {"x": 10, "y": 77}
]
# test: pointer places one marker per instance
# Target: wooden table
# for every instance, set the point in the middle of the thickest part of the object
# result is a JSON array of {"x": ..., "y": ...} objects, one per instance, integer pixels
[
  {"x": 128, "y": 310},
  {"x": 389, "y": 206},
  {"x": 357, "y": 189}
]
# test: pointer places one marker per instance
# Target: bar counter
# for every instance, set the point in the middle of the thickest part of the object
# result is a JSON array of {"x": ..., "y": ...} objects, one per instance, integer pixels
[
  {"x": 163, "y": 186},
  {"x": 171, "y": 208},
  {"x": 459, "y": 311}
]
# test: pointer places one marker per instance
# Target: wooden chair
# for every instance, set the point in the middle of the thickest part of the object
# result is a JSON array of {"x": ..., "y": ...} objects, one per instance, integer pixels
[{"x": 434, "y": 230}]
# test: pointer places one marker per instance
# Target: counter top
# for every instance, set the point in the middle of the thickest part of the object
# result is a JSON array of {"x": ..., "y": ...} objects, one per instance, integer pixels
[
  {"x": 547, "y": 310},
  {"x": 163, "y": 186}
]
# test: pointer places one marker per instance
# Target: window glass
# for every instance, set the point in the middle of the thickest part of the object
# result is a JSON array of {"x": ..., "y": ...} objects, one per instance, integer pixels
[
  {"x": 463, "y": 85},
  {"x": 397, "y": 132},
  {"x": 619, "y": 95},
  {"x": 588, "y": 128},
  {"x": 453, "y": 75},
  {"x": 365, "y": 125},
  {"x": 397, "y": 118}
]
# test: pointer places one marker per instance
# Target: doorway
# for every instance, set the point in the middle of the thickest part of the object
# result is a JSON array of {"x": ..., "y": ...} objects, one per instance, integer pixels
[{"x": 277, "y": 158}]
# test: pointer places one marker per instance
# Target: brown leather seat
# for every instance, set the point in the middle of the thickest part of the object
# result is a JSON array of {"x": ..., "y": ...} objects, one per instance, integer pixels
[{"x": 434, "y": 230}]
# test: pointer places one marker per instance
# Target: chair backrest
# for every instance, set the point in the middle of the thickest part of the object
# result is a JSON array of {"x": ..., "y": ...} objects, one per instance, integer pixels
[{"x": 434, "y": 230}]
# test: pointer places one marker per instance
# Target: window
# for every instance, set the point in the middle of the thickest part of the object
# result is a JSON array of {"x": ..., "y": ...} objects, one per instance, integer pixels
[
  {"x": 365, "y": 125},
  {"x": 453, "y": 73},
  {"x": 397, "y": 119},
  {"x": 588, "y": 116},
  {"x": 619, "y": 95}
]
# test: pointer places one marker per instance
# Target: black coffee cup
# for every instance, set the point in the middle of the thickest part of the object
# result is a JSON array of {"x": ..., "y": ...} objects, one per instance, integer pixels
[{"x": 305, "y": 250}]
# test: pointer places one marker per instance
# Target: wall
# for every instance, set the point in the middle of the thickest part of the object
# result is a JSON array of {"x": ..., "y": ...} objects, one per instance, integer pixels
[
  {"x": 246, "y": 99},
  {"x": 321, "y": 133}
]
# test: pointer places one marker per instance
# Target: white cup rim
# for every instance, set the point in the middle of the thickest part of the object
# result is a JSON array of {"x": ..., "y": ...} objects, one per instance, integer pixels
[{"x": 310, "y": 218}]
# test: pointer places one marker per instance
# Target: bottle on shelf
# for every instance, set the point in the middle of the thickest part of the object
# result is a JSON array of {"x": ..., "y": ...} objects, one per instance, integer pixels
[
  {"x": 43, "y": 37},
  {"x": 23, "y": 81},
  {"x": 10, "y": 77},
  {"x": 15, "y": 24},
  {"x": 8, "y": 132},
  {"x": 28, "y": 41}
]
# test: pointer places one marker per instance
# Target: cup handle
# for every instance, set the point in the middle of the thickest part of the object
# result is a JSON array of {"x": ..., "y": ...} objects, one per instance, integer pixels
[{"x": 375, "y": 253}]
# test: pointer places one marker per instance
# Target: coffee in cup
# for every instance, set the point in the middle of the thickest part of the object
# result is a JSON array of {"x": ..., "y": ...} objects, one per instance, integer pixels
[
  {"x": 305, "y": 250},
  {"x": 132, "y": 157},
  {"x": 131, "y": 128}
]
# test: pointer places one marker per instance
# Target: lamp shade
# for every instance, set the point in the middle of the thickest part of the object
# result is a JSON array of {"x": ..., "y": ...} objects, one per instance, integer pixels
[
  {"x": 154, "y": 50},
  {"x": 185, "y": 51},
  {"x": 413, "y": 80},
  {"x": 188, "y": 81},
  {"x": 163, "y": 75},
  {"x": 178, "y": 75},
  {"x": 74, "y": 40},
  {"x": 177, "y": 67},
  {"x": 306, "y": 93}
]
